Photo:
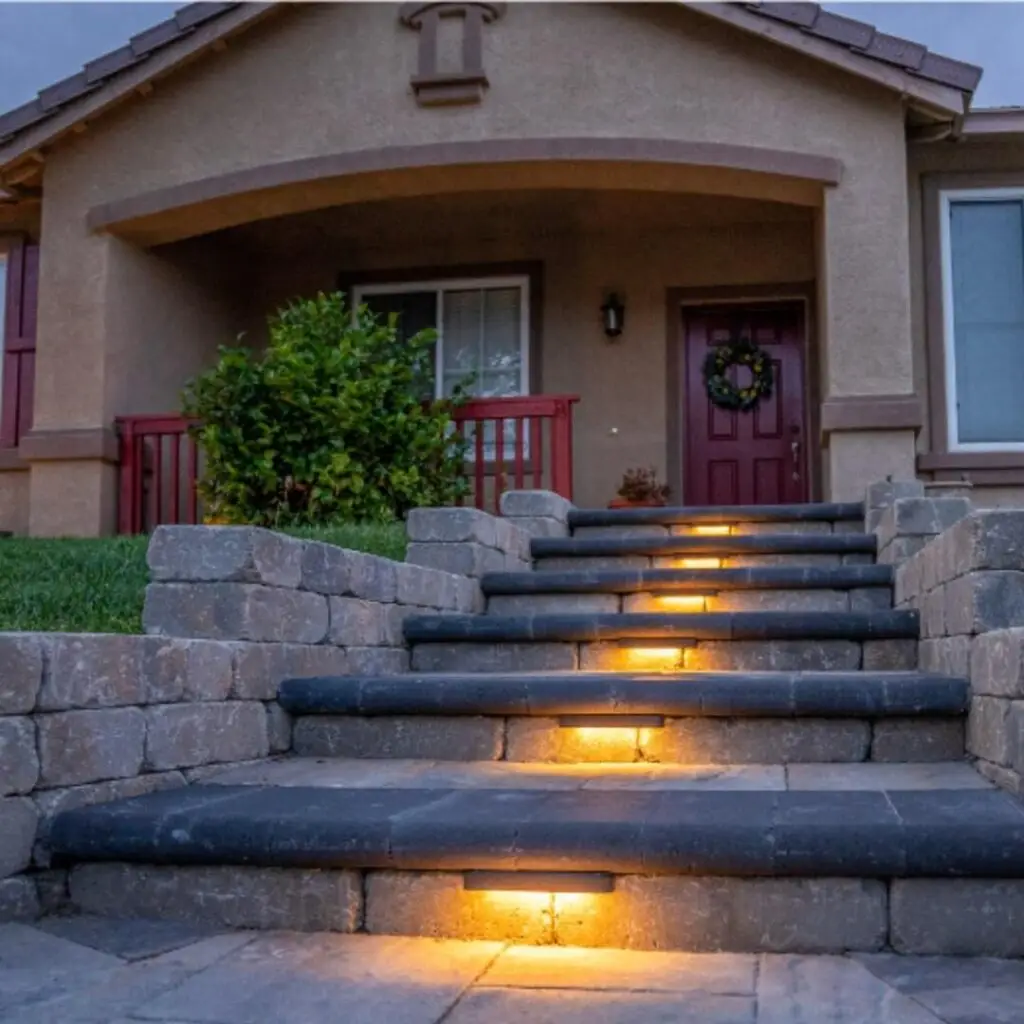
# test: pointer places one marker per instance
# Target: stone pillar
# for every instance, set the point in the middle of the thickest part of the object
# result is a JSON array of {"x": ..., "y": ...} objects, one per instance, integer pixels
[{"x": 870, "y": 414}]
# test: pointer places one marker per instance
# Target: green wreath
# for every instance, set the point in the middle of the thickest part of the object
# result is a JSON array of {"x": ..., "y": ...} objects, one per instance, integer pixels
[{"x": 722, "y": 391}]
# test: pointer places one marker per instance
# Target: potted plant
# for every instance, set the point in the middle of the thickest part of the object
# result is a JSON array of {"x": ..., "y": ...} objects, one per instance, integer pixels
[{"x": 641, "y": 488}]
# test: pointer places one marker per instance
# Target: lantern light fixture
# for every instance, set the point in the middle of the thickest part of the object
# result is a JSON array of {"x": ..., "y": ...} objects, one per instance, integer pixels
[{"x": 613, "y": 316}]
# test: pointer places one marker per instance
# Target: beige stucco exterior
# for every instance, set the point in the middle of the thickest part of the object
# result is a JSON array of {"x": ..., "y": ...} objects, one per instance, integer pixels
[{"x": 124, "y": 319}]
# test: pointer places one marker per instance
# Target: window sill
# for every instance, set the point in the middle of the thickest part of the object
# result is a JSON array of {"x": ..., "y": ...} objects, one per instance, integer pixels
[{"x": 982, "y": 468}]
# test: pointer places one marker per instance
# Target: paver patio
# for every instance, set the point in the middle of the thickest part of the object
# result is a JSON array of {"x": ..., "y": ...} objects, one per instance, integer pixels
[{"x": 84, "y": 970}]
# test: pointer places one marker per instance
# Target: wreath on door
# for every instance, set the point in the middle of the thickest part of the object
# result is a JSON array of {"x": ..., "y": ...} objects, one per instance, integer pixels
[{"x": 721, "y": 391}]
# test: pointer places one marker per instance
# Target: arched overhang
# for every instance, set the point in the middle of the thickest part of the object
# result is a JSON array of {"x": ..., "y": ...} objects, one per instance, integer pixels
[{"x": 295, "y": 186}]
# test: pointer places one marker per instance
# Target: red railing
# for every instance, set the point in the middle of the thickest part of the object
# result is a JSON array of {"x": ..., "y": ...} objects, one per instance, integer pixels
[
  {"x": 512, "y": 443},
  {"x": 159, "y": 473},
  {"x": 516, "y": 443}
]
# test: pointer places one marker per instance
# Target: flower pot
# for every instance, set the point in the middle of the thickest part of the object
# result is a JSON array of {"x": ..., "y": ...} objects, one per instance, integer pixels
[{"x": 628, "y": 503}]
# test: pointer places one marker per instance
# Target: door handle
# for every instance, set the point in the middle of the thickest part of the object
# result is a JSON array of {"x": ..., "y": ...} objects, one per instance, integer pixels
[{"x": 794, "y": 450}]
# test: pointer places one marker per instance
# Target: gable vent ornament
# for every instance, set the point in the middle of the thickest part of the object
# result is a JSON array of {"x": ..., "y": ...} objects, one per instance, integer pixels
[{"x": 436, "y": 85}]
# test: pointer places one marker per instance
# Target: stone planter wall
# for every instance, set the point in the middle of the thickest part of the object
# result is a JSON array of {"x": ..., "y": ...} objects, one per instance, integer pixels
[
  {"x": 230, "y": 613},
  {"x": 968, "y": 584}
]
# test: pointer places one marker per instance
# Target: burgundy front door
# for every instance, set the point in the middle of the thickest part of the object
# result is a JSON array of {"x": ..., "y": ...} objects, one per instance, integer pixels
[{"x": 745, "y": 458}]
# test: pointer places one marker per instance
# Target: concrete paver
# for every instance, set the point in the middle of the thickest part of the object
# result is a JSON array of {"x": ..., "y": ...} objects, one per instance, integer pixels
[
  {"x": 414, "y": 774},
  {"x": 247, "y": 978}
]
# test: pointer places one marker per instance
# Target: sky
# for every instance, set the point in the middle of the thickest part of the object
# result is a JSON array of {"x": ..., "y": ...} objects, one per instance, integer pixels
[{"x": 40, "y": 43}]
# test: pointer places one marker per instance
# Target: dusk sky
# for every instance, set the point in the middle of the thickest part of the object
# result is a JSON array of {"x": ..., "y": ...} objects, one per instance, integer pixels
[{"x": 41, "y": 43}]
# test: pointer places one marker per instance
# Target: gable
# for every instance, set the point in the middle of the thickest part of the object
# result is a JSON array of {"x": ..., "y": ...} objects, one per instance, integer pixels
[{"x": 334, "y": 79}]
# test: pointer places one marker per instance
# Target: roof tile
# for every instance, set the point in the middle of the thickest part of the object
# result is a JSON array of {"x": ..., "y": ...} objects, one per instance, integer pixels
[
  {"x": 950, "y": 72},
  {"x": 845, "y": 31},
  {"x": 195, "y": 14},
  {"x": 153, "y": 38},
  {"x": 802, "y": 15},
  {"x": 21, "y": 117},
  {"x": 895, "y": 50},
  {"x": 110, "y": 64},
  {"x": 63, "y": 92}
]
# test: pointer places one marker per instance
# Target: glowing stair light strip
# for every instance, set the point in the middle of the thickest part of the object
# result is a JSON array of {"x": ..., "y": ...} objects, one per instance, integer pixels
[
  {"x": 698, "y": 563},
  {"x": 716, "y": 530},
  {"x": 538, "y": 881}
]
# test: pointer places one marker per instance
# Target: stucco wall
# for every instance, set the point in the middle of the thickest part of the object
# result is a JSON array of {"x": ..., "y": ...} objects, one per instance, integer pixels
[{"x": 331, "y": 78}]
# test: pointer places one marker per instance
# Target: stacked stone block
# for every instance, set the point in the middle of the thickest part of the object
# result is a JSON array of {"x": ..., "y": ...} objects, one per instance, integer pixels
[
  {"x": 904, "y": 523},
  {"x": 968, "y": 584},
  {"x": 539, "y": 513},
  {"x": 466, "y": 542},
  {"x": 230, "y": 612}
]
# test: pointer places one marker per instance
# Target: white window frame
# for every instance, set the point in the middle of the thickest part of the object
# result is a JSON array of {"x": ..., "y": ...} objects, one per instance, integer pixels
[
  {"x": 439, "y": 286},
  {"x": 947, "y": 197}
]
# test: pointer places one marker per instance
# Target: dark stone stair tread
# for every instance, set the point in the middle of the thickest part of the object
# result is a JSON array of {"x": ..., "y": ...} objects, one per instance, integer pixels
[
  {"x": 697, "y": 581},
  {"x": 743, "y": 544},
  {"x": 680, "y": 516},
  {"x": 685, "y": 694},
  {"x": 593, "y": 628},
  {"x": 931, "y": 833}
]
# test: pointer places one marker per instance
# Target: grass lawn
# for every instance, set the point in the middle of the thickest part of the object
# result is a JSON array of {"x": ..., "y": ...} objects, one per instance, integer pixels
[{"x": 97, "y": 586}]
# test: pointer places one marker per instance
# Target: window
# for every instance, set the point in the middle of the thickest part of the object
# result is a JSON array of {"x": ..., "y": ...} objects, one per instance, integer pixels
[
  {"x": 482, "y": 330},
  {"x": 3, "y": 314},
  {"x": 983, "y": 299}
]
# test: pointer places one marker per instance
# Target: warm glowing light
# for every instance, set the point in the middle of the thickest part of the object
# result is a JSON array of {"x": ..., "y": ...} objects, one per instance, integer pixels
[
  {"x": 653, "y": 659},
  {"x": 699, "y": 563},
  {"x": 542, "y": 883},
  {"x": 681, "y": 603},
  {"x": 715, "y": 530}
]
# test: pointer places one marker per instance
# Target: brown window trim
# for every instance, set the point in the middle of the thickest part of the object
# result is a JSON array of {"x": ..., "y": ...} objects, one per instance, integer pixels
[
  {"x": 980, "y": 467},
  {"x": 532, "y": 270}
]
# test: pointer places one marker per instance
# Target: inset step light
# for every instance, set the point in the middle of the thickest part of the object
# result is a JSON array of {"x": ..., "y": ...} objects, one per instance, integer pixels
[
  {"x": 697, "y": 563},
  {"x": 611, "y": 721},
  {"x": 653, "y": 655},
  {"x": 712, "y": 530},
  {"x": 680, "y": 602}
]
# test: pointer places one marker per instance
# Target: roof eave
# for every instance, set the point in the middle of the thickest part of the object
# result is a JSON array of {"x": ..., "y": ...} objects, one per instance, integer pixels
[
  {"x": 994, "y": 122},
  {"x": 931, "y": 96},
  {"x": 92, "y": 104}
]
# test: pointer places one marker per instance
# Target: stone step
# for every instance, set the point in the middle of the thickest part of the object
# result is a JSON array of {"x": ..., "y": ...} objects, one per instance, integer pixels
[
  {"x": 717, "y": 514},
  {"x": 567, "y": 718},
  {"x": 719, "y": 546},
  {"x": 672, "y": 628},
  {"x": 684, "y": 694},
  {"x": 671, "y": 656},
  {"x": 926, "y": 870},
  {"x": 689, "y": 581},
  {"x": 785, "y": 588},
  {"x": 338, "y": 773}
]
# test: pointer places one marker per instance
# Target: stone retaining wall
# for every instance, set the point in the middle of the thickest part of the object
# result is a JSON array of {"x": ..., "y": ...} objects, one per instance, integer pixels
[
  {"x": 968, "y": 584},
  {"x": 230, "y": 612}
]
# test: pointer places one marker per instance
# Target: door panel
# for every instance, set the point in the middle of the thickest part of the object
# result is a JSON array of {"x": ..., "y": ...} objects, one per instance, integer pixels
[{"x": 745, "y": 458}]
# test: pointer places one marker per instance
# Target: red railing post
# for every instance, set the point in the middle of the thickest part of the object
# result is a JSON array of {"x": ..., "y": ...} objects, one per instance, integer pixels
[
  {"x": 128, "y": 474},
  {"x": 561, "y": 449}
]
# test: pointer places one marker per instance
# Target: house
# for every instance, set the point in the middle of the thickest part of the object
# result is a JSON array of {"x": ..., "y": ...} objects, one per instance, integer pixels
[{"x": 521, "y": 176}]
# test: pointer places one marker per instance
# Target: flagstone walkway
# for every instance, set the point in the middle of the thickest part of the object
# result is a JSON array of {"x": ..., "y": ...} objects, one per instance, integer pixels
[{"x": 94, "y": 971}]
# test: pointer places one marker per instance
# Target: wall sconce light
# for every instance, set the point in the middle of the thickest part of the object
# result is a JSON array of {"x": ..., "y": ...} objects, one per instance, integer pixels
[{"x": 613, "y": 316}]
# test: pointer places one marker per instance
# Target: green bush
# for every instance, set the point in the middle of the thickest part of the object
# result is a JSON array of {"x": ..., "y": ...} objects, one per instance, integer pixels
[{"x": 326, "y": 425}]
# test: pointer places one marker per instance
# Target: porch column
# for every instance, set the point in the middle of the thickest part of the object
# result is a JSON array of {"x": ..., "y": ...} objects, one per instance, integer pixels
[
  {"x": 121, "y": 329},
  {"x": 870, "y": 415}
]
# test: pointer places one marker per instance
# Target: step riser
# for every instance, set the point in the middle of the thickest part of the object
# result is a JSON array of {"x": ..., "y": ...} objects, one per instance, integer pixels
[
  {"x": 575, "y": 563},
  {"x": 687, "y": 741},
  {"x": 861, "y": 600},
  {"x": 696, "y": 914},
  {"x": 735, "y": 529},
  {"x": 705, "y": 656}
]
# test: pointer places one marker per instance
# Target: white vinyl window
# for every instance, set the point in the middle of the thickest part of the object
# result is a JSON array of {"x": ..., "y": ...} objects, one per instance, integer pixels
[
  {"x": 482, "y": 329},
  {"x": 982, "y": 239}
]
